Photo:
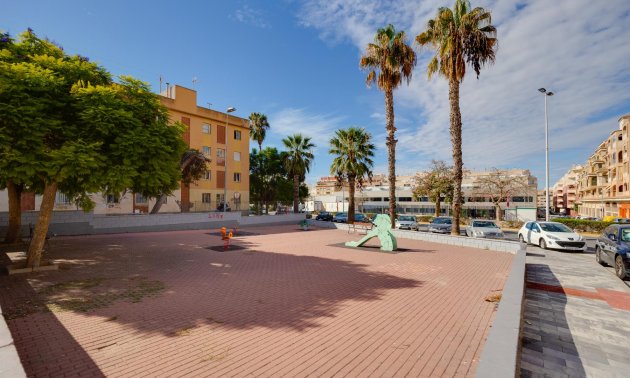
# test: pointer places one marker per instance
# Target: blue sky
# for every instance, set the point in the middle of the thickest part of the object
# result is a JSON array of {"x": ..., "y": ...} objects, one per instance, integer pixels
[{"x": 297, "y": 62}]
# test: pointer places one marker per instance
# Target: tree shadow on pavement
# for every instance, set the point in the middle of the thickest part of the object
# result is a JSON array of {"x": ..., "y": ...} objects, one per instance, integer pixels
[
  {"x": 547, "y": 345},
  {"x": 163, "y": 283}
]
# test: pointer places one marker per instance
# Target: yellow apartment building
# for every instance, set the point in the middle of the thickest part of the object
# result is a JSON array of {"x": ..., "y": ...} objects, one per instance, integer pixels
[{"x": 222, "y": 137}]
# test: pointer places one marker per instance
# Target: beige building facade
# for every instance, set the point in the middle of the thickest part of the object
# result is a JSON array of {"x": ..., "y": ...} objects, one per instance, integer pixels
[{"x": 603, "y": 186}]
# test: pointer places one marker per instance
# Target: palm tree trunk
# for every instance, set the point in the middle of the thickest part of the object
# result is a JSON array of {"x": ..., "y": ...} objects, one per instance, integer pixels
[
  {"x": 296, "y": 193},
  {"x": 438, "y": 207},
  {"x": 391, "y": 153},
  {"x": 34, "y": 254},
  {"x": 259, "y": 147},
  {"x": 14, "y": 233},
  {"x": 351, "y": 182},
  {"x": 456, "y": 140}
]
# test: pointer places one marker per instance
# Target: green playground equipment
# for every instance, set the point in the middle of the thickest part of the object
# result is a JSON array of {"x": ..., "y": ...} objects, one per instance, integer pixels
[{"x": 383, "y": 230}]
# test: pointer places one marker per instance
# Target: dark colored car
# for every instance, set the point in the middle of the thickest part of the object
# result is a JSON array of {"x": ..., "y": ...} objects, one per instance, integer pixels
[
  {"x": 324, "y": 216},
  {"x": 613, "y": 248},
  {"x": 441, "y": 225}
]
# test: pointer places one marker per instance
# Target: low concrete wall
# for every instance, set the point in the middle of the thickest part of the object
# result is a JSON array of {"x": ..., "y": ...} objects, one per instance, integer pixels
[
  {"x": 500, "y": 356},
  {"x": 462, "y": 241},
  {"x": 81, "y": 223},
  {"x": 10, "y": 365}
]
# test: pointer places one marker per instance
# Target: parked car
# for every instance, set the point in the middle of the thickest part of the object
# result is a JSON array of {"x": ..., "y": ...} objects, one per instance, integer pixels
[
  {"x": 441, "y": 225},
  {"x": 360, "y": 217},
  {"x": 407, "y": 222},
  {"x": 340, "y": 218},
  {"x": 324, "y": 216},
  {"x": 620, "y": 220},
  {"x": 479, "y": 228},
  {"x": 552, "y": 235},
  {"x": 613, "y": 248}
]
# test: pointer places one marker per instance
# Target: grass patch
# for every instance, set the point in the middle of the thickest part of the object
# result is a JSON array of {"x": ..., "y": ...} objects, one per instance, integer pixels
[{"x": 184, "y": 331}]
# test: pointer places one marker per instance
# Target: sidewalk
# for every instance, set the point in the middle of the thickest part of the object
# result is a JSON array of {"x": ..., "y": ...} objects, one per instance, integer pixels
[{"x": 577, "y": 318}]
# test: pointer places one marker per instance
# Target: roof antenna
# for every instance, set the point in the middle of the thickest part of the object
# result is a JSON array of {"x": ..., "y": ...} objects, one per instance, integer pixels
[{"x": 194, "y": 81}]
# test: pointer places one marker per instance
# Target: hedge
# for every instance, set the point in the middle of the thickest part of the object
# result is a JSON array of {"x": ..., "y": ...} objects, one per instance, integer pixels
[{"x": 583, "y": 225}]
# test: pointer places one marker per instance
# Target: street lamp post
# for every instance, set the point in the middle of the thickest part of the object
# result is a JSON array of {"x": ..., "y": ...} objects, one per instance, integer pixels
[
  {"x": 546, "y": 94},
  {"x": 225, "y": 158}
]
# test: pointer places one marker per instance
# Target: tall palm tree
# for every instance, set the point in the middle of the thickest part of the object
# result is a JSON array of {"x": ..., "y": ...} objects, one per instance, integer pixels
[
  {"x": 258, "y": 126},
  {"x": 297, "y": 162},
  {"x": 389, "y": 60},
  {"x": 353, "y": 151},
  {"x": 459, "y": 36}
]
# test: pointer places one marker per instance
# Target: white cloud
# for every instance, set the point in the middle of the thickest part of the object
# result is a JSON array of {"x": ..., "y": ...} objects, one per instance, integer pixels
[
  {"x": 577, "y": 48},
  {"x": 250, "y": 16},
  {"x": 320, "y": 127}
]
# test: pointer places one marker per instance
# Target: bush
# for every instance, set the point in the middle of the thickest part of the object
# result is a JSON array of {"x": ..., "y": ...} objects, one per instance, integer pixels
[
  {"x": 511, "y": 224},
  {"x": 584, "y": 225},
  {"x": 425, "y": 218}
]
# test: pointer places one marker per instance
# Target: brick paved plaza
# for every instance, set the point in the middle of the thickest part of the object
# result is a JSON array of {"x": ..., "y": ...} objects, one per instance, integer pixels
[{"x": 290, "y": 303}]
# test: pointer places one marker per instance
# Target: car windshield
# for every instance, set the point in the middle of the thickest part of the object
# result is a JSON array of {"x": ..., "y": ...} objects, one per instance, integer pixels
[
  {"x": 406, "y": 218},
  {"x": 484, "y": 224},
  {"x": 625, "y": 234},
  {"x": 555, "y": 227},
  {"x": 441, "y": 221}
]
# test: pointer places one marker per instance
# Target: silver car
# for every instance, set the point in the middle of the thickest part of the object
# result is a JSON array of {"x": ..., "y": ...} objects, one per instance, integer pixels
[
  {"x": 484, "y": 229},
  {"x": 441, "y": 225}
]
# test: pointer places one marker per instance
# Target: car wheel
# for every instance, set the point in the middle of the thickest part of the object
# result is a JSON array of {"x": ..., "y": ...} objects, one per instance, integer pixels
[
  {"x": 620, "y": 268},
  {"x": 521, "y": 238},
  {"x": 542, "y": 244},
  {"x": 598, "y": 257}
]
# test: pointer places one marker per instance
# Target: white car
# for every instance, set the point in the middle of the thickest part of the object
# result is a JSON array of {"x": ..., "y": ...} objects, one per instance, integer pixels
[
  {"x": 480, "y": 228},
  {"x": 552, "y": 235},
  {"x": 407, "y": 222}
]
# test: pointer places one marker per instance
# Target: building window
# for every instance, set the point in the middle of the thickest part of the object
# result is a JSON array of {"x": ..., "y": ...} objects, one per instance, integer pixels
[
  {"x": 237, "y": 134},
  {"x": 113, "y": 198},
  {"x": 206, "y": 150},
  {"x": 207, "y": 175},
  {"x": 237, "y": 177},
  {"x": 237, "y": 156},
  {"x": 220, "y": 156},
  {"x": 206, "y": 197},
  {"x": 219, "y": 198},
  {"x": 140, "y": 199},
  {"x": 62, "y": 199},
  {"x": 205, "y": 128}
]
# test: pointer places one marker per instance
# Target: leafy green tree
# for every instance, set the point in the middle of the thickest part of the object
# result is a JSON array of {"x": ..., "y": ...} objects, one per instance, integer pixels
[
  {"x": 389, "y": 60},
  {"x": 436, "y": 184},
  {"x": 460, "y": 36},
  {"x": 266, "y": 172},
  {"x": 258, "y": 126},
  {"x": 66, "y": 126},
  {"x": 353, "y": 150},
  {"x": 297, "y": 162},
  {"x": 193, "y": 165}
]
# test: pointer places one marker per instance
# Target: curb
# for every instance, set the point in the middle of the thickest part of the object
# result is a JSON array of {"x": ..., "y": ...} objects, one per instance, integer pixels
[
  {"x": 500, "y": 356},
  {"x": 10, "y": 364}
]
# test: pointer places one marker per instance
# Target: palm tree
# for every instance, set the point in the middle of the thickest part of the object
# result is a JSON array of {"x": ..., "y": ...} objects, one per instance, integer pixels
[
  {"x": 459, "y": 36},
  {"x": 353, "y": 151},
  {"x": 297, "y": 162},
  {"x": 258, "y": 126},
  {"x": 389, "y": 60}
]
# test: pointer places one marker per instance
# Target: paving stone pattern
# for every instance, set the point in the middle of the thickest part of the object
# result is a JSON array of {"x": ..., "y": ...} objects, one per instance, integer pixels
[
  {"x": 289, "y": 304},
  {"x": 579, "y": 333}
]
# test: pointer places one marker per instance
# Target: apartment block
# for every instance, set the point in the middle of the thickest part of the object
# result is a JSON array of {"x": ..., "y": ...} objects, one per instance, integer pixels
[
  {"x": 564, "y": 192},
  {"x": 223, "y": 137},
  {"x": 603, "y": 185}
]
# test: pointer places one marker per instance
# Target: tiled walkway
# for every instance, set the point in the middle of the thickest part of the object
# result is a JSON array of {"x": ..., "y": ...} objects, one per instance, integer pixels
[
  {"x": 289, "y": 304},
  {"x": 577, "y": 318}
]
